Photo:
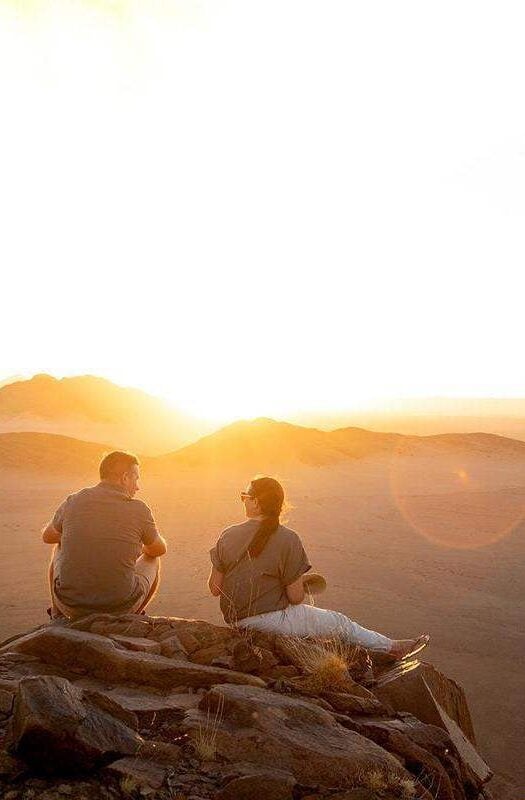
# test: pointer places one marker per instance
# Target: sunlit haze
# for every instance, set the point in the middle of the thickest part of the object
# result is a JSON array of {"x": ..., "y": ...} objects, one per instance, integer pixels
[{"x": 251, "y": 208}]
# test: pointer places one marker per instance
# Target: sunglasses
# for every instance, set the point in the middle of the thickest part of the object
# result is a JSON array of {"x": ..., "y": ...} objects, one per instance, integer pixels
[{"x": 244, "y": 495}]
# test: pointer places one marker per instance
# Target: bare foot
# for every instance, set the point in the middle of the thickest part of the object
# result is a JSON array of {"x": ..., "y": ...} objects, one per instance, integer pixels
[{"x": 401, "y": 648}]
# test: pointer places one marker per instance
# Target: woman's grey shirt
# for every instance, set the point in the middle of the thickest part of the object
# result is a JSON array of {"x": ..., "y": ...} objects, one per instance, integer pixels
[{"x": 256, "y": 585}]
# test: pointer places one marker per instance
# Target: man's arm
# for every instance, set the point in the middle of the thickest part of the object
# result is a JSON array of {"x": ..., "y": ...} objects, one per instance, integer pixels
[
  {"x": 215, "y": 582},
  {"x": 156, "y": 548},
  {"x": 52, "y": 532},
  {"x": 50, "y": 535}
]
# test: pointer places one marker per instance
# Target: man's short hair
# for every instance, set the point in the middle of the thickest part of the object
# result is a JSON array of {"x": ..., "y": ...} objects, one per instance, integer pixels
[{"x": 115, "y": 464}]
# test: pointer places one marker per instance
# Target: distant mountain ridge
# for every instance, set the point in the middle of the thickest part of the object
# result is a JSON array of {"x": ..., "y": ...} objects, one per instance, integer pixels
[
  {"x": 430, "y": 416},
  {"x": 269, "y": 441},
  {"x": 260, "y": 444},
  {"x": 94, "y": 409}
]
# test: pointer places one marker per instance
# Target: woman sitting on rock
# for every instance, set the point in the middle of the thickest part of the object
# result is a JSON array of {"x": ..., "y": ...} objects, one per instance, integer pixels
[{"x": 258, "y": 570}]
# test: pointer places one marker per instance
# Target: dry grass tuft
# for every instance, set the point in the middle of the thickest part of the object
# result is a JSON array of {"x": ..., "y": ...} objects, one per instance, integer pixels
[
  {"x": 375, "y": 780},
  {"x": 129, "y": 786},
  {"x": 325, "y": 661},
  {"x": 379, "y": 781},
  {"x": 205, "y": 742},
  {"x": 408, "y": 788}
]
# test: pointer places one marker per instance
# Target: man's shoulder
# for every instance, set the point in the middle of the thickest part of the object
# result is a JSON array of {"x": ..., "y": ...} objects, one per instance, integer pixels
[
  {"x": 80, "y": 493},
  {"x": 139, "y": 506}
]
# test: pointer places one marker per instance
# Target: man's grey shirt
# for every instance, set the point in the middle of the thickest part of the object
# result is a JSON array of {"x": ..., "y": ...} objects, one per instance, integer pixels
[{"x": 103, "y": 530}]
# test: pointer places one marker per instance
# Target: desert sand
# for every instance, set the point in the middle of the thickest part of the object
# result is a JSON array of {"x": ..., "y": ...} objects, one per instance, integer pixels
[{"x": 425, "y": 537}]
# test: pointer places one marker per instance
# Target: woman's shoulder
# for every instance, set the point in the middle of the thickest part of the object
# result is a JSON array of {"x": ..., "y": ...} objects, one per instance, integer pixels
[
  {"x": 287, "y": 534},
  {"x": 238, "y": 527}
]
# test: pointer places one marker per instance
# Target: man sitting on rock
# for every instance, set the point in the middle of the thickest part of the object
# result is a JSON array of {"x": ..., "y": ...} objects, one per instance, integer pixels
[{"x": 107, "y": 550}]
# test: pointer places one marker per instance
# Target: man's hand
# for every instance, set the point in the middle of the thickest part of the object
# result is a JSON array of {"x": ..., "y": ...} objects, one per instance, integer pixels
[
  {"x": 157, "y": 548},
  {"x": 50, "y": 535}
]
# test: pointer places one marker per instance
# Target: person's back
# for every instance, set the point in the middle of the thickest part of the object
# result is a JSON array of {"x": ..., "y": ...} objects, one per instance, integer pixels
[
  {"x": 103, "y": 530},
  {"x": 108, "y": 545},
  {"x": 256, "y": 585}
]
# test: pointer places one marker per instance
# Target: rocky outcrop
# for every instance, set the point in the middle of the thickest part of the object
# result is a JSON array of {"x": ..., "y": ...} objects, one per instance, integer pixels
[
  {"x": 266, "y": 728},
  {"x": 56, "y": 727},
  {"x": 421, "y": 692},
  {"x": 104, "y": 658},
  {"x": 170, "y": 707}
]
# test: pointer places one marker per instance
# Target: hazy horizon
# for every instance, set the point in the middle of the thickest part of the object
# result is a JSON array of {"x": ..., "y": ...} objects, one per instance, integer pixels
[{"x": 445, "y": 405}]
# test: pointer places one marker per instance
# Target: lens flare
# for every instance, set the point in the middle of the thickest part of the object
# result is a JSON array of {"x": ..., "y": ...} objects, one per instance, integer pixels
[{"x": 450, "y": 497}]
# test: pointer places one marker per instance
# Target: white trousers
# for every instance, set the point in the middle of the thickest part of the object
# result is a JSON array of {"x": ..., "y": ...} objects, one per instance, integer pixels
[{"x": 305, "y": 620}]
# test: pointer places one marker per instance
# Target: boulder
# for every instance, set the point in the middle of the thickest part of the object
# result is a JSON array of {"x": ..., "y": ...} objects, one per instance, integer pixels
[
  {"x": 206, "y": 655},
  {"x": 204, "y": 633},
  {"x": 413, "y": 693},
  {"x": 14, "y": 666},
  {"x": 136, "y": 627},
  {"x": 426, "y": 748},
  {"x": 109, "y": 624},
  {"x": 267, "y": 784},
  {"x": 246, "y": 657},
  {"x": 138, "y": 773},
  {"x": 101, "y": 658},
  {"x": 141, "y": 645},
  {"x": 353, "y": 704},
  {"x": 188, "y": 641},
  {"x": 272, "y": 730},
  {"x": 283, "y": 671},
  {"x": 268, "y": 661},
  {"x": 249, "y": 657},
  {"x": 145, "y": 703},
  {"x": 165, "y": 753},
  {"x": 344, "y": 684},
  {"x": 470, "y": 757},
  {"x": 11, "y": 768},
  {"x": 224, "y": 661},
  {"x": 109, "y": 705},
  {"x": 171, "y": 647},
  {"x": 153, "y": 629},
  {"x": 56, "y": 727},
  {"x": 417, "y": 692},
  {"x": 6, "y": 701}
]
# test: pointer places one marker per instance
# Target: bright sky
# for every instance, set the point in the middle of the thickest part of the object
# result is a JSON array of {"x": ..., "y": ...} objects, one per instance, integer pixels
[{"x": 256, "y": 207}]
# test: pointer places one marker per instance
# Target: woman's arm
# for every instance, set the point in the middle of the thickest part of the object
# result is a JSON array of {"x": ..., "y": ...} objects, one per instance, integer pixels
[
  {"x": 215, "y": 581},
  {"x": 295, "y": 564},
  {"x": 295, "y": 591}
]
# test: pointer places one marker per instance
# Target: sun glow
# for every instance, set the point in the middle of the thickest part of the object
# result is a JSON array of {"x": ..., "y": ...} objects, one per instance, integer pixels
[{"x": 246, "y": 235}]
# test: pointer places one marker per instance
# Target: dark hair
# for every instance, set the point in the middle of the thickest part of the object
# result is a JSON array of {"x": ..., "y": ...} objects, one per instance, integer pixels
[
  {"x": 115, "y": 464},
  {"x": 270, "y": 495}
]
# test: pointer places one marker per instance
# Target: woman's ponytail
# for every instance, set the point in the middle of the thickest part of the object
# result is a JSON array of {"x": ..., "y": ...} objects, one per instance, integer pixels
[{"x": 270, "y": 496}]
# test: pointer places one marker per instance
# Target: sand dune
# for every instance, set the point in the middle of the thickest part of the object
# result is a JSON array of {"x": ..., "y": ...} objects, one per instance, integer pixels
[
  {"x": 96, "y": 410},
  {"x": 268, "y": 442},
  {"x": 49, "y": 454}
]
